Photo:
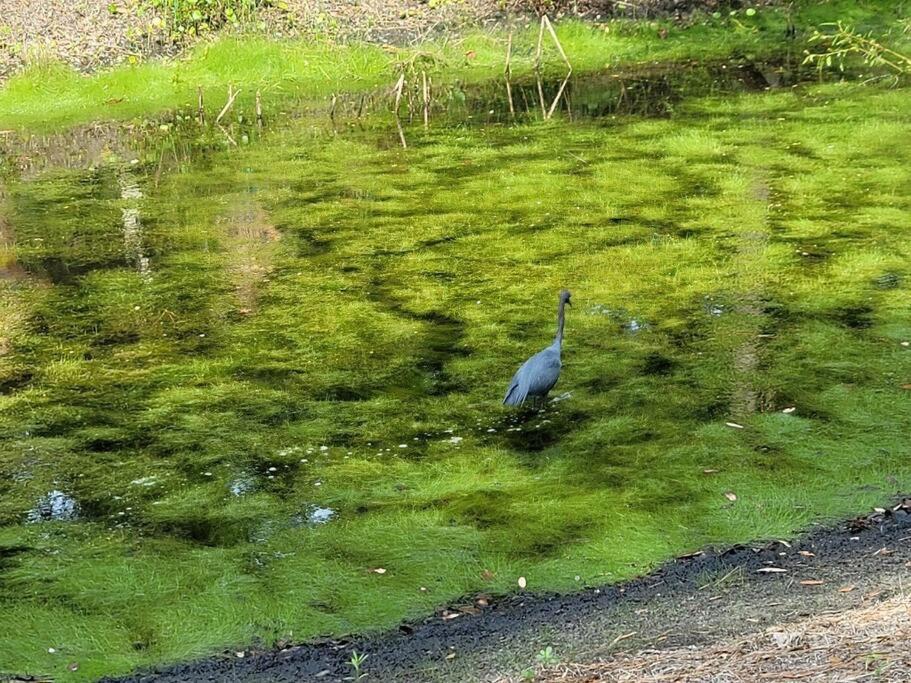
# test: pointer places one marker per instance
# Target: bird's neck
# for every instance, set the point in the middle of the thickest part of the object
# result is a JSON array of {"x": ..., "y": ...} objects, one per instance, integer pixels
[{"x": 558, "y": 340}]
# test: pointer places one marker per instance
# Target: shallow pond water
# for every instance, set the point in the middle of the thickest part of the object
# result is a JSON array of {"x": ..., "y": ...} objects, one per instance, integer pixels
[{"x": 250, "y": 376}]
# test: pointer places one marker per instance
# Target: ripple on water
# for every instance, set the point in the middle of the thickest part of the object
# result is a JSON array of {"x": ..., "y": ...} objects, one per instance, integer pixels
[
  {"x": 54, "y": 506},
  {"x": 242, "y": 485},
  {"x": 313, "y": 515}
]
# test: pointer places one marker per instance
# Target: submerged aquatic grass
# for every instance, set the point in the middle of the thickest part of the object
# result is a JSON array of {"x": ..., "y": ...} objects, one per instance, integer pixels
[
  {"x": 327, "y": 322},
  {"x": 47, "y": 96}
]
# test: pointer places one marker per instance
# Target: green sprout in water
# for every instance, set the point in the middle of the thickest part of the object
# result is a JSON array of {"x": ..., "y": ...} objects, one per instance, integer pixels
[
  {"x": 356, "y": 661},
  {"x": 546, "y": 657}
]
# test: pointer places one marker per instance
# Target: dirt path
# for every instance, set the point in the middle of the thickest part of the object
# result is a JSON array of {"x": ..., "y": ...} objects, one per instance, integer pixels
[
  {"x": 861, "y": 643},
  {"x": 703, "y": 605}
]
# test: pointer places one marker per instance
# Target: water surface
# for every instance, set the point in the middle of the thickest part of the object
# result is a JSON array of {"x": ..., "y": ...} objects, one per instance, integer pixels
[{"x": 243, "y": 371}]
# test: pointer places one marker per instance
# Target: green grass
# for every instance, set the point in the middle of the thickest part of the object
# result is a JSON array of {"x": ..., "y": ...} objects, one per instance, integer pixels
[
  {"x": 49, "y": 96},
  {"x": 315, "y": 301}
]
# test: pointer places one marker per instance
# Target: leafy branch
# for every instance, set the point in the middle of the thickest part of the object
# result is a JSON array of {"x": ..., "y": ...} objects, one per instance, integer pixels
[{"x": 845, "y": 42}]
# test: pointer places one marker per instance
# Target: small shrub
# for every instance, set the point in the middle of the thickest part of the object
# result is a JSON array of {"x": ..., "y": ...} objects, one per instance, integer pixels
[{"x": 192, "y": 17}]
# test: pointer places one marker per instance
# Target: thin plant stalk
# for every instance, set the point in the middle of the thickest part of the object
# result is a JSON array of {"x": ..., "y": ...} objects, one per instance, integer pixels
[
  {"x": 232, "y": 95},
  {"x": 507, "y": 72},
  {"x": 200, "y": 109},
  {"x": 425, "y": 90}
]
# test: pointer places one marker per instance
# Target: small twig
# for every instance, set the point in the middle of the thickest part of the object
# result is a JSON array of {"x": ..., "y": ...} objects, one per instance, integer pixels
[
  {"x": 622, "y": 637},
  {"x": 232, "y": 95},
  {"x": 398, "y": 125},
  {"x": 259, "y": 110},
  {"x": 332, "y": 107},
  {"x": 539, "y": 47},
  {"x": 227, "y": 134},
  {"x": 200, "y": 109},
  {"x": 507, "y": 72},
  {"x": 398, "y": 92},
  {"x": 541, "y": 95},
  {"x": 553, "y": 34},
  {"x": 425, "y": 90},
  {"x": 553, "y": 105}
]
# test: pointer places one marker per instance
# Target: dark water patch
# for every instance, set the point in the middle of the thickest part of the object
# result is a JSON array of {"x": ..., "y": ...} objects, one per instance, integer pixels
[
  {"x": 888, "y": 281},
  {"x": 442, "y": 341},
  {"x": 648, "y": 92},
  {"x": 657, "y": 364},
  {"x": 208, "y": 532},
  {"x": 859, "y": 317},
  {"x": 345, "y": 393},
  {"x": 533, "y": 429},
  {"x": 17, "y": 379},
  {"x": 11, "y": 555}
]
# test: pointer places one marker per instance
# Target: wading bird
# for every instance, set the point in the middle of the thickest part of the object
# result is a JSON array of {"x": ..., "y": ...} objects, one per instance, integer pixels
[{"x": 540, "y": 373}]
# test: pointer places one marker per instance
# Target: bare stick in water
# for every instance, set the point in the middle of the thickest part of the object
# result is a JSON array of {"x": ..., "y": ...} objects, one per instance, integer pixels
[
  {"x": 232, "y": 95},
  {"x": 553, "y": 106},
  {"x": 200, "y": 109},
  {"x": 507, "y": 72},
  {"x": 398, "y": 124},
  {"x": 398, "y": 92},
  {"x": 541, "y": 94},
  {"x": 553, "y": 34},
  {"x": 259, "y": 110},
  {"x": 426, "y": 92}
]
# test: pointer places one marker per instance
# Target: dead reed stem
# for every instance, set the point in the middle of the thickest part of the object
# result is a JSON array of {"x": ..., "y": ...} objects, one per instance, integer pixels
[
  {"x": 425, "y": 89},
  {"x": 507, "y": 72},
  {"x": 400, "y": 84},
  {"x": 200, "y": 109},
  {"x": 232, "y": 95}
]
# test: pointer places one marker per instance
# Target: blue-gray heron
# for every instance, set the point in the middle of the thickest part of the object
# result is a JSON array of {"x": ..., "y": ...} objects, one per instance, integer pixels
[{"x": 540, "y": 373}]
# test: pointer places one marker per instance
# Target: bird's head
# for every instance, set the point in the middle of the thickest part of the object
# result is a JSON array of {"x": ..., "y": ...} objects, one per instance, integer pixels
[{"x": 564, "y": 297}]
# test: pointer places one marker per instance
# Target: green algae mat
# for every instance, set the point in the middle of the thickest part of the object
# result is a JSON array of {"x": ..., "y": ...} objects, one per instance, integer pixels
[{"x": 250, "y": 383}]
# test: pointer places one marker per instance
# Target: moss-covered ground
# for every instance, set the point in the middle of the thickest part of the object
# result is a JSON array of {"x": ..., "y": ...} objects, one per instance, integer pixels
[{"x": 245, "y": 380}]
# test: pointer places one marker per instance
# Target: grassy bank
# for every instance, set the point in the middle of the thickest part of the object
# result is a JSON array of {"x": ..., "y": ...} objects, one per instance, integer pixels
[{"x": 49, "y": 96}]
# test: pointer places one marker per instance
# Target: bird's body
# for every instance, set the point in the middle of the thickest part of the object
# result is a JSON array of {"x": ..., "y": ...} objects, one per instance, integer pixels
[{"x": 538, "y": 375}]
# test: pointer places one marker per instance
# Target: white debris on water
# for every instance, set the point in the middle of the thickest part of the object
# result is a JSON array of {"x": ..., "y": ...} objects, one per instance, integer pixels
[
  {"x": 54, "y": 506},
  {"x": 314, "y": 515},
  {"x": 318, "y": 515},
  {"x": 242, "y": 485}
]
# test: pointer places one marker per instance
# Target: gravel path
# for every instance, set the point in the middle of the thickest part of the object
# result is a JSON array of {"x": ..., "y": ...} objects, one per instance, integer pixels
[
  {"x": 84, "y": 33},
  {"x": 90, "y": 34}
]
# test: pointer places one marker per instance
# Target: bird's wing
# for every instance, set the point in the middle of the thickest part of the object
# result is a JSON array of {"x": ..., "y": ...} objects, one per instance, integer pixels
[
  {"x": 517, "y": 391},
  {"x": 537, "y": 376},
  {"x": 542, "y": 371}
]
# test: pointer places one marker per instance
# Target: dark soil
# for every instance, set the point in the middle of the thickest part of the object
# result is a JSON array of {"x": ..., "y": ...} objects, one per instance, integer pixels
[{"x": 690, "y": 600}]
